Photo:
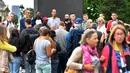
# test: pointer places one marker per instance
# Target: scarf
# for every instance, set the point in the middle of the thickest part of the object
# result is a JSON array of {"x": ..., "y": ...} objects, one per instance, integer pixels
[
  {"x": 118, "y": 58},
  {"x": 87, "y": 53}
]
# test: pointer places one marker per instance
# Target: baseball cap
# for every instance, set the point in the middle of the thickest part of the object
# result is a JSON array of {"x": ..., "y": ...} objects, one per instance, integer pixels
[
  {"x": 78, "y": 21},
  {"x": 44, "y": 18}
]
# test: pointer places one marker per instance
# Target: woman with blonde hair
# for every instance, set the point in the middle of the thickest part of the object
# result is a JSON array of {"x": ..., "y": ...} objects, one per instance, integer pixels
[
  {"x": 101, "y": 25},
  {"x": 5, "y": 50},
  {"x": 115, "y": 60},
  {"x": 85, "y": 58}
]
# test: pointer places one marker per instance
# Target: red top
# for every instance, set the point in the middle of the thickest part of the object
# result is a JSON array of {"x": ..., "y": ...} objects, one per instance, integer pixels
[
  {"x": 109, "y": 25},
  {"x": 105, "y": 53},
  {"x": 128, "y": 38}
]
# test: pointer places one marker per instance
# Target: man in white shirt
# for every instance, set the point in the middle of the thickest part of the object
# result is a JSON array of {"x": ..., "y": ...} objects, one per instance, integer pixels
[
  {"x": 9, "y": 23},
  {"x": 54, "y": 19}
]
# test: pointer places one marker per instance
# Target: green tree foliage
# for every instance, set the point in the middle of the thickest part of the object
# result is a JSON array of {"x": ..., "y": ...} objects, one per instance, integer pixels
[
  {"x": 32, "y": 12},
  {"x": 22, "y": 9},
  {"x": 121, "y": 7},
  {"x": 91, "y": 8},
  {"x": 15, "y": 19}
]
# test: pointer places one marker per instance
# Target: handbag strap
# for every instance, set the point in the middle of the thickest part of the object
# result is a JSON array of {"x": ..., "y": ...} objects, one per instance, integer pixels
[{"x": 109, "y": 66}]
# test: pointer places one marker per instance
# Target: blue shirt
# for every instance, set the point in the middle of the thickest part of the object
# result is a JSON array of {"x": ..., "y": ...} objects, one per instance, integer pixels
[
  {"x": 55, "y": 21},
  {"x": 22, "y": 24},
  {"x": 83, "y": 25}
]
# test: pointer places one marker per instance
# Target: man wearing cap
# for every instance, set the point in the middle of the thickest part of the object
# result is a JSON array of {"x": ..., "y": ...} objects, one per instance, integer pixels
[
  {"x": 74, "y": 36},
  {"x": 44, "y": 19}
]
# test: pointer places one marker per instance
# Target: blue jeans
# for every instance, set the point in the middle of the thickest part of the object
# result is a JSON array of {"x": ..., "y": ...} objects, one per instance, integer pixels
[
  {"x": 28, "y": 68},
  {"x": 15, "y": 65},
  {"x": 40, "y": 68},
  {"x": 54, "y": 65}
]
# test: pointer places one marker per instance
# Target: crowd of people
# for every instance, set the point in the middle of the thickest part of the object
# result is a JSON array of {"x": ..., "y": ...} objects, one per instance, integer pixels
[{"x": 49, "y": 45}]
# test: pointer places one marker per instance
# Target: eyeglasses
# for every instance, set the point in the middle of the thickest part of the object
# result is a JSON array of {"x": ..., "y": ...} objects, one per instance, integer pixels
[
  {"x": 99, "y": 21},
  {"x": 121, "y": 34},
  {"x": 28, "y": 12}
]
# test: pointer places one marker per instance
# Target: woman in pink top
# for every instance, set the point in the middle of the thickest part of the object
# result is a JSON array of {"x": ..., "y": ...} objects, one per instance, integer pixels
[{"x": 119, "y": 50}]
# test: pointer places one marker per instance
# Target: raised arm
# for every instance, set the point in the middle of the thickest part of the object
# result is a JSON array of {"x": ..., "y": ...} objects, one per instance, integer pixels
[{"x": 8, "y": 47}]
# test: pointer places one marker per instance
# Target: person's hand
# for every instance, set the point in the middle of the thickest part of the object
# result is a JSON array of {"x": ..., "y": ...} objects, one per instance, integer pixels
[
  {"x": 126, "y": 53},
  {"x": 88, "y": 67},
  {"x": 53, "y": 50},
  {"x": 102, "y": 58},
  {"x": 102, "y": 37}
]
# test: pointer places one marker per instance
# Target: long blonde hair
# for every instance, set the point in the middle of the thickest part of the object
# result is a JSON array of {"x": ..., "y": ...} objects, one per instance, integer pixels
[
  {"x": 3, "y": 34},
  {"x": 111, "y": 37}
]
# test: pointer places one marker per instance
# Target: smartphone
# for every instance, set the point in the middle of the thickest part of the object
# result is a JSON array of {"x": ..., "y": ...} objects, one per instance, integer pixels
[{"x": 95, "y": 62}]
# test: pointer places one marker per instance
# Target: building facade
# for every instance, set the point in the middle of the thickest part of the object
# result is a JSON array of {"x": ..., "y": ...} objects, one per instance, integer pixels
[
  {"x": 4, "y": 10},
  {"x": 62, "y": 7}
]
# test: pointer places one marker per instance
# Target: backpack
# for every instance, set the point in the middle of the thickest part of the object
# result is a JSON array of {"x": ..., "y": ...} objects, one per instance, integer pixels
[
  {"x": 8, "y": 23},
  {"x": 109, "y": 66},
  {"x": 31, "y": 55},
  {"x": 30, "y": 38}
]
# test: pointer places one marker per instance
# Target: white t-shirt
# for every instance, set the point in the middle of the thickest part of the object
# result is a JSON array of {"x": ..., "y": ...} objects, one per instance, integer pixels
[
  {"x": 8, "y": 25},
  {"x": 102, "y": 29},
  {"x": 38, "y": 22}
]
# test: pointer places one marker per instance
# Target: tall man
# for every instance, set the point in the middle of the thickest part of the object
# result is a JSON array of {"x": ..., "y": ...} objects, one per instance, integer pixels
[
  {"x": 9, "y": 23},
  {"x": 27, "y": 16},
  {"x": 74, "y": 36},
  {"x": 26, "y": 44},
  {"x": 60, "y": 38},
  {"x": 38, "y": 19},
  {"x": 54, "y": 20}
]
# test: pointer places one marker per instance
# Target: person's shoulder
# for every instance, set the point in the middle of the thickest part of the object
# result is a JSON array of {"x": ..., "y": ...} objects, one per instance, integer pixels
[
  {"x": 110, "y": 21},
  {"x": 22, "y": 18},
  {"x": 77, "y": 30},
  {"x": 57, "y": 18},
  {"x": 36, "y": 31},
  {"x": 5, "y": 21},
  {"x": 49, "y": 18},
  {"x": 78, "y": 49},
  {"x": 66, "y": 32},
  {"x": 24, "y": 31},
  {"x": 47, "y": 41}
]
